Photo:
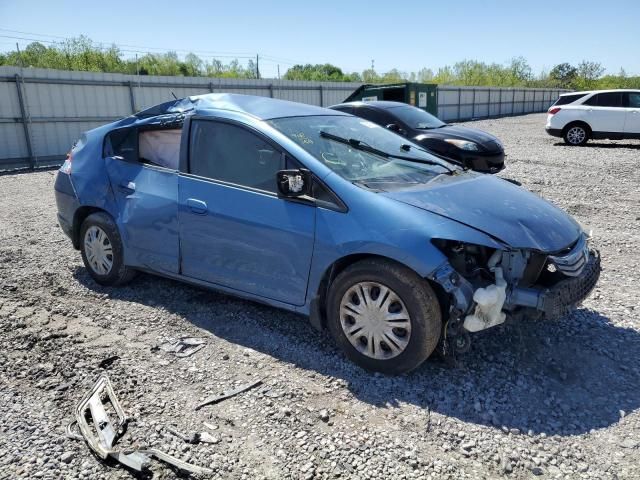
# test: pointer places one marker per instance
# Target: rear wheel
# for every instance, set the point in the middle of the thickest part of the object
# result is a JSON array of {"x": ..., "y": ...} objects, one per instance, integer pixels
[
  {"x": 576, "y": 134},
  {"x": 384, "y": 316},
  {"x": 102, "y": 251}
]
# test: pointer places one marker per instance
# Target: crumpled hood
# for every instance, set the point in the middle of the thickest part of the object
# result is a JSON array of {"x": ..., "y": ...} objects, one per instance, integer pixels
[{"x": 499, "y": 208}]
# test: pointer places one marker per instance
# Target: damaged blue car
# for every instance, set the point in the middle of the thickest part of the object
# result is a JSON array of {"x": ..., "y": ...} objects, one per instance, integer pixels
[{"x": 390, "y": 248}]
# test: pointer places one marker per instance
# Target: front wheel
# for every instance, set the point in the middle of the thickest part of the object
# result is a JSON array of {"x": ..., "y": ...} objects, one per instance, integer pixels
[
  {"x": 102, "y": 250},
  {"x": 576, "y": 135},
  {"x": 384, "y": 316}
]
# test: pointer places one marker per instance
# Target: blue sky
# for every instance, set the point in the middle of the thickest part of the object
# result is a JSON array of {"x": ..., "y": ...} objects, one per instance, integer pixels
[{"x": 408, "y": 34}]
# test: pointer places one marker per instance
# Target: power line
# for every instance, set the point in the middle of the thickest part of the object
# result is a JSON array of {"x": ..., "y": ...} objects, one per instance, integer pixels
[{"x": 127, "y": 48}]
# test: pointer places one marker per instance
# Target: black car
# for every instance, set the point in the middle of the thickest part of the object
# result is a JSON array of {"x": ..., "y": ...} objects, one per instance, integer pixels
[{"x": 472, "y": 148}]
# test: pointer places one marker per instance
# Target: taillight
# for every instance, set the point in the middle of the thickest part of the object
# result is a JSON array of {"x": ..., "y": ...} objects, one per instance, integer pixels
[
  {"x": 66, "y": 166},
  {"x": 553, "y": 111}
]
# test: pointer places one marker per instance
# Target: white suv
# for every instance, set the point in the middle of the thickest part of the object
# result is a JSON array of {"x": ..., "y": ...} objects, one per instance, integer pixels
[{"x": 579, "y": 116}]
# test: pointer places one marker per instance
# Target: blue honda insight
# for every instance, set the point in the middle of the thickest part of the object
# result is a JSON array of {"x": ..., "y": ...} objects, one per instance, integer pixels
[{"x": 392, "y": 249}]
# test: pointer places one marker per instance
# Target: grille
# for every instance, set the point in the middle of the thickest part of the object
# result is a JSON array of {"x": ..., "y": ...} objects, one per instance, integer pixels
[{"x": 573, "y": 262}]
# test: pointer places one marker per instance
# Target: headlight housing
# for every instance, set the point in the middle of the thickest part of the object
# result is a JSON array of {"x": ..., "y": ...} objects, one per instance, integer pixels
[{"x": 463, "y": 144}]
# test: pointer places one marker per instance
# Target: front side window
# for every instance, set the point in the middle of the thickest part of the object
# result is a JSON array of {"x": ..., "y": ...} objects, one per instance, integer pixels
[
  {"x": 633, "y": 100},
  {"x": 373, "y": 115},
  {"x": 364, "y": 168},
  {"x": 231, "y": 153},
  {"x": 416, "y": 118}
]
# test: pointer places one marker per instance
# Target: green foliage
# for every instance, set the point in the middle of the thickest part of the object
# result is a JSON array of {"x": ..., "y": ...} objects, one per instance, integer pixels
[
  {"x": 83, "y": 54},
  {"x": 326, "y": 72}
]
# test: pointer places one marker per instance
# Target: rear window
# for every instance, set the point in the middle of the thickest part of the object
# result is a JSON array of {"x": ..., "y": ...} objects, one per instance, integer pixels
[{"x": 567, "y": 99}]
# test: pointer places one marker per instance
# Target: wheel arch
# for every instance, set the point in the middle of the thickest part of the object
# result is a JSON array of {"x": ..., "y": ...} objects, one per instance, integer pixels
[
  {"x": 78, "y": 217},
  {"x": 577, "y": 122},
  {"x": 318, "y": 315}
]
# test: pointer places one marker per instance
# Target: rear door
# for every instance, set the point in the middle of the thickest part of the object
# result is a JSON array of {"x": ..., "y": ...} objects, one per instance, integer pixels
[
  {"x": 605, "y": 113},
  {"x": 632, "y": 115},
  {"x": 234, "y": 230},
  {"x": 147, "y": 201}
]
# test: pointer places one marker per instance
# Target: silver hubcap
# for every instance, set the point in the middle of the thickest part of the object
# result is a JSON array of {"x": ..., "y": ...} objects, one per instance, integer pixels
[
  {"x": 98, "y": 250},
  {"x": 375, "y": 320},
  {"x": 576, "y": 135}
]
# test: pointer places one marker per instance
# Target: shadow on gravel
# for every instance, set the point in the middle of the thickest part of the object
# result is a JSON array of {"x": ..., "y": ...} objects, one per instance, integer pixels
[
  {"x": 630, "y": 146},
  {"x": 560, "y": 378}
]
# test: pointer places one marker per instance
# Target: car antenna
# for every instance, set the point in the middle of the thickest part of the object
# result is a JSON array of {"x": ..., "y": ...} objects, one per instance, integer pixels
[{"x": 173, "y": 94}]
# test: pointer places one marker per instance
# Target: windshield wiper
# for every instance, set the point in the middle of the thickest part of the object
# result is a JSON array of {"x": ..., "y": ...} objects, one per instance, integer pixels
[{"x": 360, "y": 145}]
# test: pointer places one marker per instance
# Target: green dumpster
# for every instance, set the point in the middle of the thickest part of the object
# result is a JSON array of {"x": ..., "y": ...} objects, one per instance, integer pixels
[{"x": 421, "y": 95}]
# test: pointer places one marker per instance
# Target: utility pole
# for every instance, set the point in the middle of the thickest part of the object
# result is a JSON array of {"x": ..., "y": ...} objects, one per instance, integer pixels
[
  {"x": 278, "y": 71},
  {"x": 257, "y": 66},
  {"x": 372, "y": 63},
  {"x": 19, "y": 55}
]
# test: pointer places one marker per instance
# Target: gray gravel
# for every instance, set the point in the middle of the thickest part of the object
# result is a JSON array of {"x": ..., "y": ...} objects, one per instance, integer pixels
[{"x": 537, "y": 400}]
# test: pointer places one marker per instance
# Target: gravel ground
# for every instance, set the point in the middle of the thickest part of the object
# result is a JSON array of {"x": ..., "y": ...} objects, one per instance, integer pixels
[{"x": 554, "y": 400}]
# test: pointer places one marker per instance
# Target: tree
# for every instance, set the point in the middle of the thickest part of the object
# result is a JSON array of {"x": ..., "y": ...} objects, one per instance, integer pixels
[
  {"x": 563, "y": 75},
  {"x": 317, "y": 72},
  {"x": 588, "y": 74}
]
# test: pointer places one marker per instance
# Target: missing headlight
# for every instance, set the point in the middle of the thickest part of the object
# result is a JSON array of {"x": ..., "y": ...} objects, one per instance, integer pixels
[{"x": 468, "y": 259}]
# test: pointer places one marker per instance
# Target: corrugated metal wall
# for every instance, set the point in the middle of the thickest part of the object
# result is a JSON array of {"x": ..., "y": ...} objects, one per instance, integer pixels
[
  {"x": 465, "y": 103},
  {"x": 42, "y": 112}
]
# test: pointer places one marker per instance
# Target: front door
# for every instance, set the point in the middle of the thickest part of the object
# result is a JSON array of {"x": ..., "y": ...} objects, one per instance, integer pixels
[
  {"x": 234, "y": 230},
  {"x": 632, "y": 119},
  {"x": 604, "y": 112},
  {"x": 147, "y": 203}
]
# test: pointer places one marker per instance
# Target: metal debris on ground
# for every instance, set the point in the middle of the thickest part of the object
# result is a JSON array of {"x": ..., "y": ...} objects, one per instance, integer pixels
[
  {"x": 97, "y": 429},
  {"x": 184, "y": 346},
  {"x": 107, "y": 362},
  {"x": 228, "y": 394}
]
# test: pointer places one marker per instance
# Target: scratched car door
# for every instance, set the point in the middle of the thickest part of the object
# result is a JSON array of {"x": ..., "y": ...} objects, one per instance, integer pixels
[{"x": 147, "y": 200}]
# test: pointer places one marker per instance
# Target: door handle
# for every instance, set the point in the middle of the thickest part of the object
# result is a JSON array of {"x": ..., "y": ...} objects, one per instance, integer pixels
[
  {"x": 197, "y": 206},
  {"x": 128, "y": 187}
]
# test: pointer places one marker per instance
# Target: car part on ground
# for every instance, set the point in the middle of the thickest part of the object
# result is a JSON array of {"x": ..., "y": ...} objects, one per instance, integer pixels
[
  {"x": 101, "y": 434},
  {"x": 184, "y": 346},
  {"x": 228, "y": 394},
  {"x": 469, "y": 147},
  {"x": 302, "y": 207}
]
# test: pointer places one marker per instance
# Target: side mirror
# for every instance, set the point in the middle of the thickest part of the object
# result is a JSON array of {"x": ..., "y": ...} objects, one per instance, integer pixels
[
  {"x": 294, "y": 183},
  {"x": 394, "y": 127}
]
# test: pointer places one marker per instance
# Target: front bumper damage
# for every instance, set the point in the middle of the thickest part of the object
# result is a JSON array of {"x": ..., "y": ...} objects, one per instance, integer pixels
[{"x": 475, "y": 307}]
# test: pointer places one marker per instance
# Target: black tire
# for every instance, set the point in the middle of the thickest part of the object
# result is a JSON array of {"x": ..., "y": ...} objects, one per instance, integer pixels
[
  {"x": 416, "y": 294},
  {"x": 119, "y": 273},
  {"x": 576, "y": 134}
]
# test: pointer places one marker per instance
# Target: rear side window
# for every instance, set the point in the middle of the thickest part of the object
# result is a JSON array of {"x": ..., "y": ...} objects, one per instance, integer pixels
[
  {"x": 567, "y": 99},
  {"x": 376, "y": 116},
  {"x": 610, "y": 99},
  {"x": 122, "y": 143},
  {"x": 231, "y": 153}
]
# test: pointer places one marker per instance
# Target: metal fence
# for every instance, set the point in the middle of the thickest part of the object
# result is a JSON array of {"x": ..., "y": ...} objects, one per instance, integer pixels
[
  {"x": 466, "y": 103},
  {"x": 42, "y": 112}
]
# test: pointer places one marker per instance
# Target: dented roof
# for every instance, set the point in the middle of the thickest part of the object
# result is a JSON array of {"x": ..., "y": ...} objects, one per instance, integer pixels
[{"x": 262, "y": 108}]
